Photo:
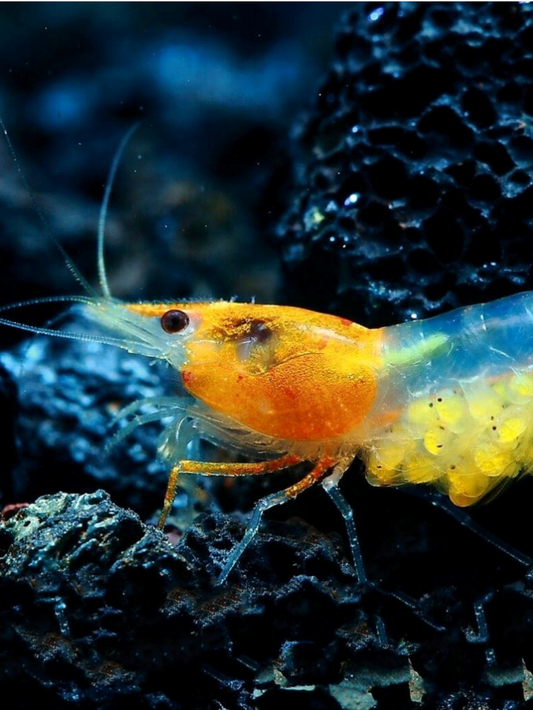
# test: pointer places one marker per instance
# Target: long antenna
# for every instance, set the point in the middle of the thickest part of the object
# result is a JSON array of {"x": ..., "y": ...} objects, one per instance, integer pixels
[
  {"x": 70, "y": 264},
  {"x": 102, "y": 276},
  {"x": 117, "y": 342},
  {"x": 106, "y": 340}
]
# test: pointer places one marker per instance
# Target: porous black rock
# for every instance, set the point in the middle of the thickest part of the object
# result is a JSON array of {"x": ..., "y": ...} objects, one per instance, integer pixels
[
  {"x": 99, "y": 609},
  {"x": 411, "y": 190}
]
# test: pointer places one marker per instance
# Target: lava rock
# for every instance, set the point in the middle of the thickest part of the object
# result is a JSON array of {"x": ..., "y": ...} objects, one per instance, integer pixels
[
  {"x": 411, "y": 190},
  {"x": 97, "y": 609}
]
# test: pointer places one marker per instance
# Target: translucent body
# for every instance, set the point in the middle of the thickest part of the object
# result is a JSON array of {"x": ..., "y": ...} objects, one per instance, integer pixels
[{"x": 458, "y": 392}]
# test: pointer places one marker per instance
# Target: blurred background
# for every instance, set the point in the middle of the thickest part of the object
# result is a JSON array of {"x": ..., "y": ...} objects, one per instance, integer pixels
[{"x": 216, "y": 87}]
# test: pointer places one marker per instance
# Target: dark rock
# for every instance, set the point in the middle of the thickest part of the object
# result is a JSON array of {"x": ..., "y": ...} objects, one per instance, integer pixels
[{"x": 408, "y": 196}]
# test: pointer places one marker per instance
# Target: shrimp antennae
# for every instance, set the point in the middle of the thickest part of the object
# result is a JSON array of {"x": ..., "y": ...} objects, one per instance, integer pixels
[
  {"x": 63, "y": 334},
  {"x": 117, "y": 342},
  {"x": 94, "y": 298},
  {"x": 47, "y": 299},
  {"x": 121, "y": 342},
  {"x": 70, "y": 264},
  {"x": 137, "y": 343},
  {"x": 102, "y": 276}
]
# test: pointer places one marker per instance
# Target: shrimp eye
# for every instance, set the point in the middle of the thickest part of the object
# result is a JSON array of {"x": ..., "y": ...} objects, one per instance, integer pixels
[{"x": 174, "y": 321}]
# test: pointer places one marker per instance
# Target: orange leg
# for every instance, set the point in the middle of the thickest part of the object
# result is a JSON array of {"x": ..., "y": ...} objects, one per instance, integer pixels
[
  {"x": 208, "y": 468},
  {"x": 318, "y": 472}
]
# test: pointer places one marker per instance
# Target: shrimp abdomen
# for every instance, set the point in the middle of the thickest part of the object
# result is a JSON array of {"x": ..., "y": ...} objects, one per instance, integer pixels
[{"x": 464, "y": 407}]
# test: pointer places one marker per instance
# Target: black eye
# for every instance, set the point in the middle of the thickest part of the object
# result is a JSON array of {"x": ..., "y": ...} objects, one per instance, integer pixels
[{"x": 174, "y": 321}]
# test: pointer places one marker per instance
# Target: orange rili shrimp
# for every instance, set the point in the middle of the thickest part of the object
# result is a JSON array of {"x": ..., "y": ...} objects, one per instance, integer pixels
[{"x": 445, "y": 401}]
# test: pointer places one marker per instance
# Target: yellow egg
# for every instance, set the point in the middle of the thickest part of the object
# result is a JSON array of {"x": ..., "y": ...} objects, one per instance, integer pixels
[
  {"x": 520, "y": 387},
  {"x": 435, "y": 440},
  {"x": 450, "y": 407},
  {"x": 420, "y": 469},
  {"x": 466, "y": 488},
  {"x": 491, "y": 459},
  {"x": 510, "y": 430},
  {"x": 421, "y": 412},
  {"x": 485, "y": 403}
]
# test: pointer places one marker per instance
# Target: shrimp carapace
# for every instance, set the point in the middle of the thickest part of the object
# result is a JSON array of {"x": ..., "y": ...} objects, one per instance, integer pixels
[{"x": 283, "y": 372}]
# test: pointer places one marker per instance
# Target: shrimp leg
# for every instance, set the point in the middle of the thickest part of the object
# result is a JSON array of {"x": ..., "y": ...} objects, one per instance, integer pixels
[
  {"x": 208, "y": 468},
  {"x": 466, "y": 521},
  {"x": 271, "y": 501},
  {"x": 331, "y": 486}
]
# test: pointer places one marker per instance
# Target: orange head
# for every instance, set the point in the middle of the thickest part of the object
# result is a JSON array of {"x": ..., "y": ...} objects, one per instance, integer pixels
[{"x": 285, "y": 372}]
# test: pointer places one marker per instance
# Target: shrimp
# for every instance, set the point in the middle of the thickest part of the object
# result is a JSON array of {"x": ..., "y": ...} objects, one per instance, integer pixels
[{"x": 445, "y": 401}]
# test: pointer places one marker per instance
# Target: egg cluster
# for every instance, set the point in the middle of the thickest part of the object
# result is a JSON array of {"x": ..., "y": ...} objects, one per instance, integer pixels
[{"x": 467, "y": 440}]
